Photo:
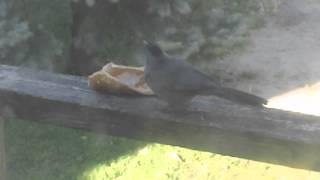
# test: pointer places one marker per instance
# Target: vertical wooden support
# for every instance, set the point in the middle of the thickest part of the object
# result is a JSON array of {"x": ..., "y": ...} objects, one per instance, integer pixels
[{"x": 3, "y": 172}]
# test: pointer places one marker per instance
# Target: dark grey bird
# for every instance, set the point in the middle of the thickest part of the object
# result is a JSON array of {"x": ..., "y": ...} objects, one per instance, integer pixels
[{"x": 177, "y": 82}]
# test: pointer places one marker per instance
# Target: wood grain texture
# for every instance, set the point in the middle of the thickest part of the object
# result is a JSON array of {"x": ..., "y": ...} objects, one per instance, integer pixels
[{"x": 218, "y": 126}]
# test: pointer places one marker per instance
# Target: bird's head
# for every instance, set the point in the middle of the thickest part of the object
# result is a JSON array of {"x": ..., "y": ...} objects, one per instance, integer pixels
[{"x": 152, "y": 49}]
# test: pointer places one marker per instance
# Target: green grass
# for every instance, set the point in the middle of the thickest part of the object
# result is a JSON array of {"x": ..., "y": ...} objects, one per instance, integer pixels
[{"x": 38, "y": 152}]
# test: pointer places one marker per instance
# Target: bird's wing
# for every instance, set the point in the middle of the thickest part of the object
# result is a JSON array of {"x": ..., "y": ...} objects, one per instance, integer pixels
[
  {"x": 188, "y": 78},
  {"x": 191, "y": 81}
]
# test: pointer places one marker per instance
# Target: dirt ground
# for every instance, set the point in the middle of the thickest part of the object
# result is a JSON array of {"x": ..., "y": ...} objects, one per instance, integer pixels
[{"x": 282, "y": 62}]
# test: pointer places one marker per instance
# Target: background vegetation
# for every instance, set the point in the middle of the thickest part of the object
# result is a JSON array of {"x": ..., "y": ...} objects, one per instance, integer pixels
[{"x": 79, "y": 36}]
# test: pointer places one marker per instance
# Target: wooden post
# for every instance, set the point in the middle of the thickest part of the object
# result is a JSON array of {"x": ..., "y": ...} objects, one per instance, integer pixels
[{"x": 3, "y": 173}]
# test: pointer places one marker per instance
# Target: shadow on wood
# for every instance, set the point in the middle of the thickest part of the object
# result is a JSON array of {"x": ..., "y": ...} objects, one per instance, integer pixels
[{"x": 262, "y": 134}]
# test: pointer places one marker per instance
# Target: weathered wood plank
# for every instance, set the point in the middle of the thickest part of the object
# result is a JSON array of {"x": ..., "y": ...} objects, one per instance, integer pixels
[{"x": 267, "y": 135}]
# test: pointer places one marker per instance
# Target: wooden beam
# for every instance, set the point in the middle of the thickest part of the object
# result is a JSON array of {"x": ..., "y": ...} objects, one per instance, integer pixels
[{"x": 262, "y": 134}]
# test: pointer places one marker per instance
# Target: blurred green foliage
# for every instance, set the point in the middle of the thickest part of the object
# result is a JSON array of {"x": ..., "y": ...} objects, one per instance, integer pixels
[
  {"x": 207, "y": 30},
  {"x": 40, "y": 30},
  {"x": 38, "y": 33}
]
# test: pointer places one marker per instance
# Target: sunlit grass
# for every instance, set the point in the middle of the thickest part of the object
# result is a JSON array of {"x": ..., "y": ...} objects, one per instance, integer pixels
[{"x": 163, "y": 162}]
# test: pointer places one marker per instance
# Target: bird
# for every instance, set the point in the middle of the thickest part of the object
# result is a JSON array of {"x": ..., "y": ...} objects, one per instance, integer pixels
[{"x": 177, "y": 82}]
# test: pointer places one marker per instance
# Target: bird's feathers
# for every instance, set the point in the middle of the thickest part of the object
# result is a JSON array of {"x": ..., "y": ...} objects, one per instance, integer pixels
[{"x": 175, "y": 80}]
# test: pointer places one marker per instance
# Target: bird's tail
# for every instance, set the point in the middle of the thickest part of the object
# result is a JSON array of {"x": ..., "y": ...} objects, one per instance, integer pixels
[{"x": 238, "y": 96}]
